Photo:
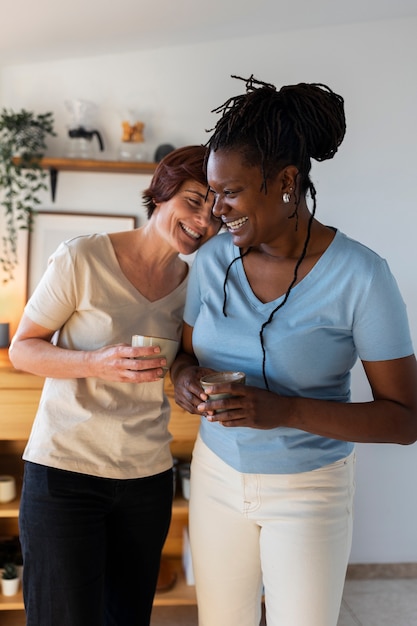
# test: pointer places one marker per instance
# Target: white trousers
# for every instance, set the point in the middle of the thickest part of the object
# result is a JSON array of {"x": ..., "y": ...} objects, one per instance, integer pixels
[{"x": 287, "y": 535}]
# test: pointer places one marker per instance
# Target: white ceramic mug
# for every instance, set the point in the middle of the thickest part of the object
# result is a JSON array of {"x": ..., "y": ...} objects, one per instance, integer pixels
[
  {"x": 169, "y": 347},
  {"x": 7, "y": 488}
]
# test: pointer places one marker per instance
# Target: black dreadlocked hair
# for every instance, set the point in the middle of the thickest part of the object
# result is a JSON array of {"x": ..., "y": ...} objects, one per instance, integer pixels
[{"x": 273, "y": 129}]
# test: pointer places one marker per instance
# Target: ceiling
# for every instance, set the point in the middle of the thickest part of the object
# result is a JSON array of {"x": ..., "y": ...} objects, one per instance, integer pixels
[{"x": 44, "y": 30}]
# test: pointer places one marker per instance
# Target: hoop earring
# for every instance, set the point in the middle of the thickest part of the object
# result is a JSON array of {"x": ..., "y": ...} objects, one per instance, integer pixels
[{"x": 286, "y": 198}]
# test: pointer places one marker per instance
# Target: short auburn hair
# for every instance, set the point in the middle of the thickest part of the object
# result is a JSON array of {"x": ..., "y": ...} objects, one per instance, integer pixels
[{"x": 187, "y": 163}]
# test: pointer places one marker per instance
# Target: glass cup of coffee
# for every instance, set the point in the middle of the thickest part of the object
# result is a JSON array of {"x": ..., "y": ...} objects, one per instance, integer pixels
[{"x": 217, "y": 378}]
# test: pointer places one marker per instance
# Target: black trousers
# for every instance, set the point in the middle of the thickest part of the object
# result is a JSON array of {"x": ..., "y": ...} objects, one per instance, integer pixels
[{"x": 91, "y": 546}]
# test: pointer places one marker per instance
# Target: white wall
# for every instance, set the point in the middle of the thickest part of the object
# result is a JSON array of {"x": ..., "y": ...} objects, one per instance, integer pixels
[{"x": 368, "y": 190}]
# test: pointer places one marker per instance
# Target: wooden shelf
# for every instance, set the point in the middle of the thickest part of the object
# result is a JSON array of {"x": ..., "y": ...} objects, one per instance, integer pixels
[
  {"x": 96, "y": 165},
  {"x": 181, "y": 594},
  {"x": 13, "y": 618},
  {"x": 11, "y": 603},
  {"x": 93, "y": 165},
  {"x": 20, "y": 393},
  {"x": 58, "y": 164}
]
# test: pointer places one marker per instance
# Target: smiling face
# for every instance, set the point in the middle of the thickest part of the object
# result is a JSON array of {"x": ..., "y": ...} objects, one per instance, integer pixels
[
  {"x": 186, "y": 220},
  {"x": 252, "y": 216}
]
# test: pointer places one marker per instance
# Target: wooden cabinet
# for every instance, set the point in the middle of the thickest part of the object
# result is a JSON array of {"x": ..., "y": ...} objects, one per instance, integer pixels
[{"x": 19, "y": 397}]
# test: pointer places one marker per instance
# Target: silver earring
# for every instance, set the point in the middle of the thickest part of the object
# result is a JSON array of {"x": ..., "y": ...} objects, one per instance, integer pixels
[{"x": 286, "y": 197}]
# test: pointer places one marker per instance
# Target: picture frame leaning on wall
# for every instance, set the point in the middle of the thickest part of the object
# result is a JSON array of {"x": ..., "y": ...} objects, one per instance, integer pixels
[{"x": 50, "y": 228}]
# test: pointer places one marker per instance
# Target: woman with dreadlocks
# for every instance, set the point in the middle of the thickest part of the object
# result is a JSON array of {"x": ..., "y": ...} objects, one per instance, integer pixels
[{"x": 293, "y": 303}]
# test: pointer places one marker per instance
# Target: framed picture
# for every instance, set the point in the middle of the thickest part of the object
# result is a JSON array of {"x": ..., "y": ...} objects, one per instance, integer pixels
[{"x": 51, "y": 228}]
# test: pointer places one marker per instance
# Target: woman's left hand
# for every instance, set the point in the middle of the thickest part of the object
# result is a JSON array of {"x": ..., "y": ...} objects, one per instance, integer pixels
[{"x": 246, "y": 406}]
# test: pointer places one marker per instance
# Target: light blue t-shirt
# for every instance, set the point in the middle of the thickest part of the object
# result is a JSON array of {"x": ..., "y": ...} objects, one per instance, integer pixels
[{"x": 348, "y": 306}]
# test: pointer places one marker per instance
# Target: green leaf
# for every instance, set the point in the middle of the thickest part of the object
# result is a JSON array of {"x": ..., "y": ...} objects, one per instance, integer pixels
[{"x": 22, "y": 133}]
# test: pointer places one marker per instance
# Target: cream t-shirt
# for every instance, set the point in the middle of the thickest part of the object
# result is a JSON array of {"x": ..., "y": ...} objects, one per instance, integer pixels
[{"x": 88, "y": 425}]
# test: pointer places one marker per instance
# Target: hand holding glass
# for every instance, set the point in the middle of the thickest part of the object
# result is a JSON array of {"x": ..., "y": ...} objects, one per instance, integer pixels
[{"x": 220, "y": 378}]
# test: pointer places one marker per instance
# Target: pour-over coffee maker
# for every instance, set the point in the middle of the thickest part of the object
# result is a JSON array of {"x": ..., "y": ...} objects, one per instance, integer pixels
[{"x": 81, "y": 130}]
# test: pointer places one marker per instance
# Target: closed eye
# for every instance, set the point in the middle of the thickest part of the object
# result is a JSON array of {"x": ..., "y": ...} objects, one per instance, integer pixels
[
  {"x": 195, "y": 201},
  {"x": 226, "y": 192}
]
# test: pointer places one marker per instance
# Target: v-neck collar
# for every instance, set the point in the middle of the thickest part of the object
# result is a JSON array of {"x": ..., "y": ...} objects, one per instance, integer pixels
[
  {"x": 132, "y": 289},
  {"x": 298, "y": 288}
]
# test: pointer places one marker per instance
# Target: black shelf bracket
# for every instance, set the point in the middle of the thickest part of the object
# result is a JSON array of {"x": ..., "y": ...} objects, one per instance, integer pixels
[{"x": 53, "y": 176}]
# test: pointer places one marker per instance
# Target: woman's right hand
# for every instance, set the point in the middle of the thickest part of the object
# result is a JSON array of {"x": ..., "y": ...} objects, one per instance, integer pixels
[
  {"x": 188, "y": 391},
  {"x": 186, "y": 374}
]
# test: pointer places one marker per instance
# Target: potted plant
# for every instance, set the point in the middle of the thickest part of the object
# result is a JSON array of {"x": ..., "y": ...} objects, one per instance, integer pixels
[
  {"x": 22, "y": 146},
  {"x": 9, "y": 580}
]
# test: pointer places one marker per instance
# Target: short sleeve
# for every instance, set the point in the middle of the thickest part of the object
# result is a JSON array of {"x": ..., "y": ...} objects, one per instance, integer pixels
[
  {"x": 381, "y": 328},
  {"x": 54, "y": 298}
]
